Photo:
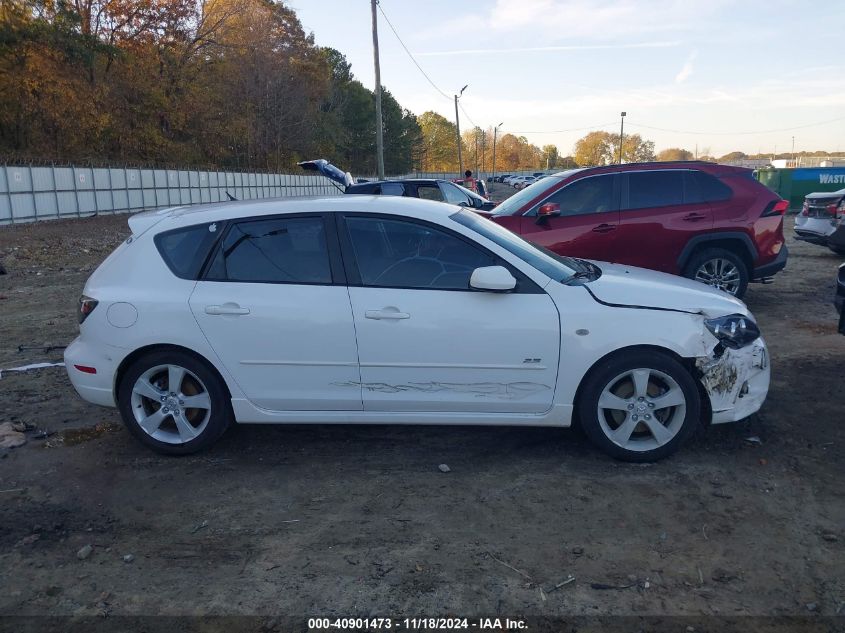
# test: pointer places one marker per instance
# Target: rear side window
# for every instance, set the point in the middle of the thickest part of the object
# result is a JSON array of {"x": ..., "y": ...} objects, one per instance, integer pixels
[
  {"x": 712, "y": 189},
  {"x": 655, "y": 189},
  {"x": 185, "y": 250},
  {"x": 277, "y": 250},
  {"x": 392, "y": 189}
]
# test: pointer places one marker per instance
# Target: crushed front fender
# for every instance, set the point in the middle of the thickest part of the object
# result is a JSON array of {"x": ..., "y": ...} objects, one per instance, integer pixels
[{"x": 737, "y": 381}]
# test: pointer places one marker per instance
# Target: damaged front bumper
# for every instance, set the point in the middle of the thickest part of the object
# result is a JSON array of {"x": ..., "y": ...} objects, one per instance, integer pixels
[{"x": 737, "y": 381}]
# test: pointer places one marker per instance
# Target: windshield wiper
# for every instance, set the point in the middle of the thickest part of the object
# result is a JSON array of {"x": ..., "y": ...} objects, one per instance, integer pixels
[{"x": 581, "y": 274}]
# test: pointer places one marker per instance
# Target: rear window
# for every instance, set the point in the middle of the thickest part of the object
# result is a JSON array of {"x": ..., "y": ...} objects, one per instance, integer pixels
[{"x": 185, "y": 250}]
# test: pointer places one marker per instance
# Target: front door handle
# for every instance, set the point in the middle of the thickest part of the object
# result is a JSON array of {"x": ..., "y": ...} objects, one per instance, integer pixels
[
  {"x": 386, "y": 314},
  {"x": 604, "y": 228},
  {"x": 226, "y": 308},
  {"x": 694, "y": 217}
]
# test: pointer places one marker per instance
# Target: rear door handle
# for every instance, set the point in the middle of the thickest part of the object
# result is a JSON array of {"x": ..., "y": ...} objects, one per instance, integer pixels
[
  {"x": 604, "y": 228},
  {"x": 386, "y": 315},
  {"x": 694, "y": 217},
  {"x": 226, "y": 308}
]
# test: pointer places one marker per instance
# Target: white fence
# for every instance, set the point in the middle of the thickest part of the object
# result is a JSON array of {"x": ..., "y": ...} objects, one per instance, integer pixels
[
  {"x": 40, "y": 193},
  {"x": 29, "y": 193}
]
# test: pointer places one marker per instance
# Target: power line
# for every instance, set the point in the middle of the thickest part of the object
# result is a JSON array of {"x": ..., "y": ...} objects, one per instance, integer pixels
[
  {"x": 573, "y": 129},
  {"x": 433, "y": 85},
  {"x": 783, "y": 129},
  {"x": 469, "y": 118}
]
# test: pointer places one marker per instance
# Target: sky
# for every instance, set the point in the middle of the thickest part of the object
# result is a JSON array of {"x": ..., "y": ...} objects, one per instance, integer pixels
[{"x": 724, "y": 75}]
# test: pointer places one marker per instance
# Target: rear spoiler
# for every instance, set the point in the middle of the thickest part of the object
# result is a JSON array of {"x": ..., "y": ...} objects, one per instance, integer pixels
[
  {"x": 324, "y": 167},
  {"x": 140, "y": 222}
]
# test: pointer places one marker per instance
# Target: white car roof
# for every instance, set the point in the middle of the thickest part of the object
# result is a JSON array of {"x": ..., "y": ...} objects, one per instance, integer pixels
[{"x": 218, "y": 211}]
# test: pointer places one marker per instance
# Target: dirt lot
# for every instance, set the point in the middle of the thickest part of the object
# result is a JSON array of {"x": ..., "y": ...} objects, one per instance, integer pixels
[{"x": 359, "y": 520}]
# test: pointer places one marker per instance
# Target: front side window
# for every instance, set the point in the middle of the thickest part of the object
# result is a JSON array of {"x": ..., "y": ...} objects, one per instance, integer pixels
[
  {"x": 454, "y": 195},
  {"x": 655, "y": 189},
  {"x": 593, "y": 194},
  {"x": 277, "y": 250},
  {"x": 402, "y": 254}
]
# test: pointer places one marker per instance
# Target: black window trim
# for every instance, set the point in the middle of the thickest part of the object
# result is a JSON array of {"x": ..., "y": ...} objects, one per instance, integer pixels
[
  {"x": 336, "y": 267},
  {"x": 617, "y": 195},
  {"x": 524, "y": 284}
]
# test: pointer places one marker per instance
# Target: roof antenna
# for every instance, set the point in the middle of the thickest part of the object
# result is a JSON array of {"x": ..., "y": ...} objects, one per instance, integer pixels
[{"x": 231, "y": 197}]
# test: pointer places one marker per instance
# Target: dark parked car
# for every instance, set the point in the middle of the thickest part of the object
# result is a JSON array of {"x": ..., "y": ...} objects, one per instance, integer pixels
[
  {"x": 426, "y": 188},
  {"x": 839, "y": 299},
  {"x": 712, "y": 223}
]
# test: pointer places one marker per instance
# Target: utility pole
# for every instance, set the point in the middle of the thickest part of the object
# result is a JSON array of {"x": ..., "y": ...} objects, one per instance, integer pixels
[
  {"x": 458, "y": 132},
  {"x": 379, "y": 126},
  {"x": 477, "y": 130},
  {"x": 793, "y": 151},
  {"x": 483, "y": 142},
  {"x": 495, "y": 132},
  {"x": 621, "y": 136}
]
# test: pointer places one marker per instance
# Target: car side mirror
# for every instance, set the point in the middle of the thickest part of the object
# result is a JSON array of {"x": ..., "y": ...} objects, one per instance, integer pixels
[
  {"x": 546, "y": 211},
  {"x": 492, "y": 279}
]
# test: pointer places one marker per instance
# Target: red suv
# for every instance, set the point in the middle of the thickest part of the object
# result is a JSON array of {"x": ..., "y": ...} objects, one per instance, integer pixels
[{"x": 708, "y": 222}]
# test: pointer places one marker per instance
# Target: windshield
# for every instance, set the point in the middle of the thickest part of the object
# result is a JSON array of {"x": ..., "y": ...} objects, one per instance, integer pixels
[
  {"x": 550, "y": 264},
  {"x": 514, "y": 204}
]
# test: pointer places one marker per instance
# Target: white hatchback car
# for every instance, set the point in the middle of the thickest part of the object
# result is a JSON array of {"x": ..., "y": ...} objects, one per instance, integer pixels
[{"x": 360, "y": 309}]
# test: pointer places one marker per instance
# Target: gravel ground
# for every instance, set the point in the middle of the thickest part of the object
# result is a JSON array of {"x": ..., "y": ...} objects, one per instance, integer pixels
[{"x": 359, "y": 520}]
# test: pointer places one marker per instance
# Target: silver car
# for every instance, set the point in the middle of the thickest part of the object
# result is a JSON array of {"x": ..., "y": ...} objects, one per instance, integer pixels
[{"x": 819, "y": 216}]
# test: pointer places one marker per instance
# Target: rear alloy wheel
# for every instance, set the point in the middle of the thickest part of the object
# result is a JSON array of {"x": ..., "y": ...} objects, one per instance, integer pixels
[
  {"x": 640, "y": 406},
  {"x": 719, "y": 268},
  {"x": 174, "y": 403}
]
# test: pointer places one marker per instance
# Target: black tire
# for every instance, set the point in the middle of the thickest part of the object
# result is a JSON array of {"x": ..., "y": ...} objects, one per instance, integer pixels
[
  {"x": 606, "y": 372},
  {"x": 218, "y": 419},
  {"x": 700, "y": 258}
]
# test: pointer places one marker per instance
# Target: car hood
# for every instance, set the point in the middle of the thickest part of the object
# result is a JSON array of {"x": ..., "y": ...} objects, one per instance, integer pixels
[
  {"x": 328, "y": 170},
  {"x": 629, "y": 286}
]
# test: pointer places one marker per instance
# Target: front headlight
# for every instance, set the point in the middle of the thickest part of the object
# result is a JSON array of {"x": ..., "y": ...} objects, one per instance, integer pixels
[{"x": 733, "y": 330}]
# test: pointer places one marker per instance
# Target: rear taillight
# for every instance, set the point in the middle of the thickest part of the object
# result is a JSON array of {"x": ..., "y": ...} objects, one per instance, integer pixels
[
  {"x": 86, "y": 307},
  {"x": 831, "y": 210},
  {"x": 805, "y": 209},
  {"x": 779, "y": 207}
]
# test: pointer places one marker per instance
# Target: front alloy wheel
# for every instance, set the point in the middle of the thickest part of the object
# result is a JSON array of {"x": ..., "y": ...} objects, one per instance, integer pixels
[
  {"x": 639, "y": 405},
  {"x": 641, "y": 409}
]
